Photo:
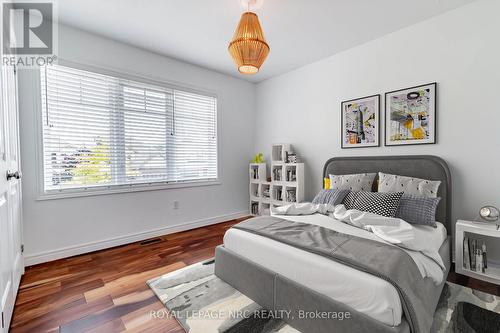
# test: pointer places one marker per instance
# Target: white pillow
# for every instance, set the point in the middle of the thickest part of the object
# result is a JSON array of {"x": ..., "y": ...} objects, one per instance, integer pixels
[
  {"x": 353, "y": 182},
  {"x": 408, "y": 185}
]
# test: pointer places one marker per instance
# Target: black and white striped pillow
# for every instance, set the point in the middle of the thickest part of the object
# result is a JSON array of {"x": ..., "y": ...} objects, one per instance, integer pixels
[
  {"x": 385, "y": 204},
  {"x": 332, "y": 197}
]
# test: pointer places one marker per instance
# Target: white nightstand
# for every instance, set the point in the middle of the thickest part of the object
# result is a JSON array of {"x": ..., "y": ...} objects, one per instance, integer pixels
[{"x": 483, "y": 233}]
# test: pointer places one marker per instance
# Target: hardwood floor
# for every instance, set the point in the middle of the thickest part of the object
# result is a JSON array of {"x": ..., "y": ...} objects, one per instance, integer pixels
[{"x": 105, "y": 291}]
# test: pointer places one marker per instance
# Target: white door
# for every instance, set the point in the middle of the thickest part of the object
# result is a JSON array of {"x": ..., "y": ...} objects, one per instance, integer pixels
[{"x": 11, "y": 257}]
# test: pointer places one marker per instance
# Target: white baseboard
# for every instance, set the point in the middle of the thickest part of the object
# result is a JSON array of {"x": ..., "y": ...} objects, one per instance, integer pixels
[{"x": 41, "y": 257}]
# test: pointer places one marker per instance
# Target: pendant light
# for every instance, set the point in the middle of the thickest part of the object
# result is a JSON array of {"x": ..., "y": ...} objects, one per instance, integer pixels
[{"x": 248, "y": 48}]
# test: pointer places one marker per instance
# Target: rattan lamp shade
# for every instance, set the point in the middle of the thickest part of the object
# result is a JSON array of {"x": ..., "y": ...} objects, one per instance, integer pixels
[{"x": 248, "y": 48}]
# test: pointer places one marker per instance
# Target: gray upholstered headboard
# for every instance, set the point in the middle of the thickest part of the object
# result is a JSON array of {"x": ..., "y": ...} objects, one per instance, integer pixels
[{"x": 419, "y": 166}]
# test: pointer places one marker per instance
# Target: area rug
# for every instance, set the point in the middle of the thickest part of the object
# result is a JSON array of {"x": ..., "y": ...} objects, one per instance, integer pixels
[{"x": 203, "y": 303}]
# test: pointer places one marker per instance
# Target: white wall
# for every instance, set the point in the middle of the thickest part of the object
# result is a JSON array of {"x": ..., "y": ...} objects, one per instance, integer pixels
[
  {"x": 459, "y": 50},
  {"x": 56, "y": 228}
]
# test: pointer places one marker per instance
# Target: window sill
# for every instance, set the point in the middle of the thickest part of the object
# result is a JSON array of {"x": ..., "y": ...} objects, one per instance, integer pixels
[{"x": 116, "y": 189}]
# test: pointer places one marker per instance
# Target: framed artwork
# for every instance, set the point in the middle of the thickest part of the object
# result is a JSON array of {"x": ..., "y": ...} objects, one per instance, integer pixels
[
  {"x": 360, "y": 122},
  {"x": 410, "y": 115}
]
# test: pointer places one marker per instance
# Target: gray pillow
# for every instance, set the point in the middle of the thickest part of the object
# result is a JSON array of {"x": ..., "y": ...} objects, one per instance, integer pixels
[
  {"x": 409, "y": 185},
  {"x": 332, "y": 197},
  {"x": 418, "y": 210},
  {"x": 385, "y": 204},
  {"x": 353, "y": 182}
]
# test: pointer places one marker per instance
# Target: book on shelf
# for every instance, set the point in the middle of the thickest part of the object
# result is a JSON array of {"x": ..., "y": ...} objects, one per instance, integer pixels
[
  {"x": 255, "y": 173},
  {"x": 474, "y": 255},
  {"x": 466, "y": 258},
  {"x": 485, "y": 258},
  {"x": 277, "y": 174},
  {"x": 291, "y": 175},
  {"x": 278, "y": 194},
  {"x": 255, "y": 208},
  {"x": 472, "y": 258}
]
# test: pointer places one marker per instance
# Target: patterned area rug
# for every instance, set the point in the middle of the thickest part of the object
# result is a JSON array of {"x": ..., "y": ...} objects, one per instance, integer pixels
[
  {"x": 203, "y": 303},
  {"x": 462, "y": 309}
]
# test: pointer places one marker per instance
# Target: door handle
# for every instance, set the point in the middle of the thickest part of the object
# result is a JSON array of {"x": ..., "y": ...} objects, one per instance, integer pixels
[{"x": 16, "y": 175}]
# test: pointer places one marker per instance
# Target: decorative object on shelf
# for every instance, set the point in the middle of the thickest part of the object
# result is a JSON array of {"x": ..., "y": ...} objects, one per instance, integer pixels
[
  {"x": 291, "y": 157},
  {"x": 410, "y": 115},
  {"x": 249, "y": 48},
  {"x": 258, "y": 158},
  {"x": 266, "y": 192},
  {"x": 360, "y": 122},
  {"x": 489, "y": 214}
]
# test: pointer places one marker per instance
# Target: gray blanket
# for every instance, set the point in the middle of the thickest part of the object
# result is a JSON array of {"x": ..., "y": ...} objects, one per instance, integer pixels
[{"x": 385, "y": 261}]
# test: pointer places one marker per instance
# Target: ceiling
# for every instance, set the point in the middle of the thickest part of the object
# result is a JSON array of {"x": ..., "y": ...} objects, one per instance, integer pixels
[{"x": 198, "y": 31}]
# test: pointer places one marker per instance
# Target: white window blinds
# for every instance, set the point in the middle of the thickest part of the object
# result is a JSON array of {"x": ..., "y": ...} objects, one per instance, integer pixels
[{"x": 105, "y": 131}]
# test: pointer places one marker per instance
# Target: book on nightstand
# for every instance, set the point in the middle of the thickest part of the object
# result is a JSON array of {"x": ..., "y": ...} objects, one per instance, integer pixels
[
  {"x": 474, "y": 256},
  {"x": 466, "y": 256}
]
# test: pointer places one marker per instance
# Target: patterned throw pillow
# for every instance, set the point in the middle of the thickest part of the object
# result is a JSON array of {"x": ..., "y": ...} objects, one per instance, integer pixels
[
  {"x": 409, "y": 185},
  {"x": 385, "y": 204},
  {"x": 418, "y": 210},
  {"x": 354, "y": 182},
  {"x": 349, "y": 199},
  {"x": 332, "y": 197}
]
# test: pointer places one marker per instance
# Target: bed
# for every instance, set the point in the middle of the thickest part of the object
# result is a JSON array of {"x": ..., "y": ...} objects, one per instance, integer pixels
[{"x": 282, "y": 277}]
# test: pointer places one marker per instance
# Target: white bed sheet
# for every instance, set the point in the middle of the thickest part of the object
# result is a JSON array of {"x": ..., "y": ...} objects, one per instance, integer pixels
[{"x": 363, "y": 292}]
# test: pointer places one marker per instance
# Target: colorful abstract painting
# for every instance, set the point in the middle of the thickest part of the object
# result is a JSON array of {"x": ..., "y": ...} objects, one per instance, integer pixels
[
  {"x": 411, "y": 116},
  {"x": 360, "y": 122}
]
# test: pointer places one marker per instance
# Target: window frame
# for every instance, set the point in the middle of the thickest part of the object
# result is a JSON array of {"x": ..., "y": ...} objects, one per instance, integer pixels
[{"x": 121, "y": 188}]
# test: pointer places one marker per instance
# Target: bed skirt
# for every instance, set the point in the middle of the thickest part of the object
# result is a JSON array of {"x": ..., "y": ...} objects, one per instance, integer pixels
[{"x": 278, "y": 293}]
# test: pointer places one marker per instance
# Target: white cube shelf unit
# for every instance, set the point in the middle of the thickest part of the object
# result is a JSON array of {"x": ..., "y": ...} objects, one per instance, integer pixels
[
  {"x": 483, "y": 233},
  {"x": 286, "y": 185},
  {"x": 287, "y": 182},
  {"x": 259, "y": 188}
]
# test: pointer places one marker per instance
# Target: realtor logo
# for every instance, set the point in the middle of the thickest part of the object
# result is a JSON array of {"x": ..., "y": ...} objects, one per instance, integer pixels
[{"x": 28, "y": 28}]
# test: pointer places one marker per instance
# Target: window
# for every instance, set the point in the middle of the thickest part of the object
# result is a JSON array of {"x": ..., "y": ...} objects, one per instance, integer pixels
[{"x": 102, "y": 132}]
